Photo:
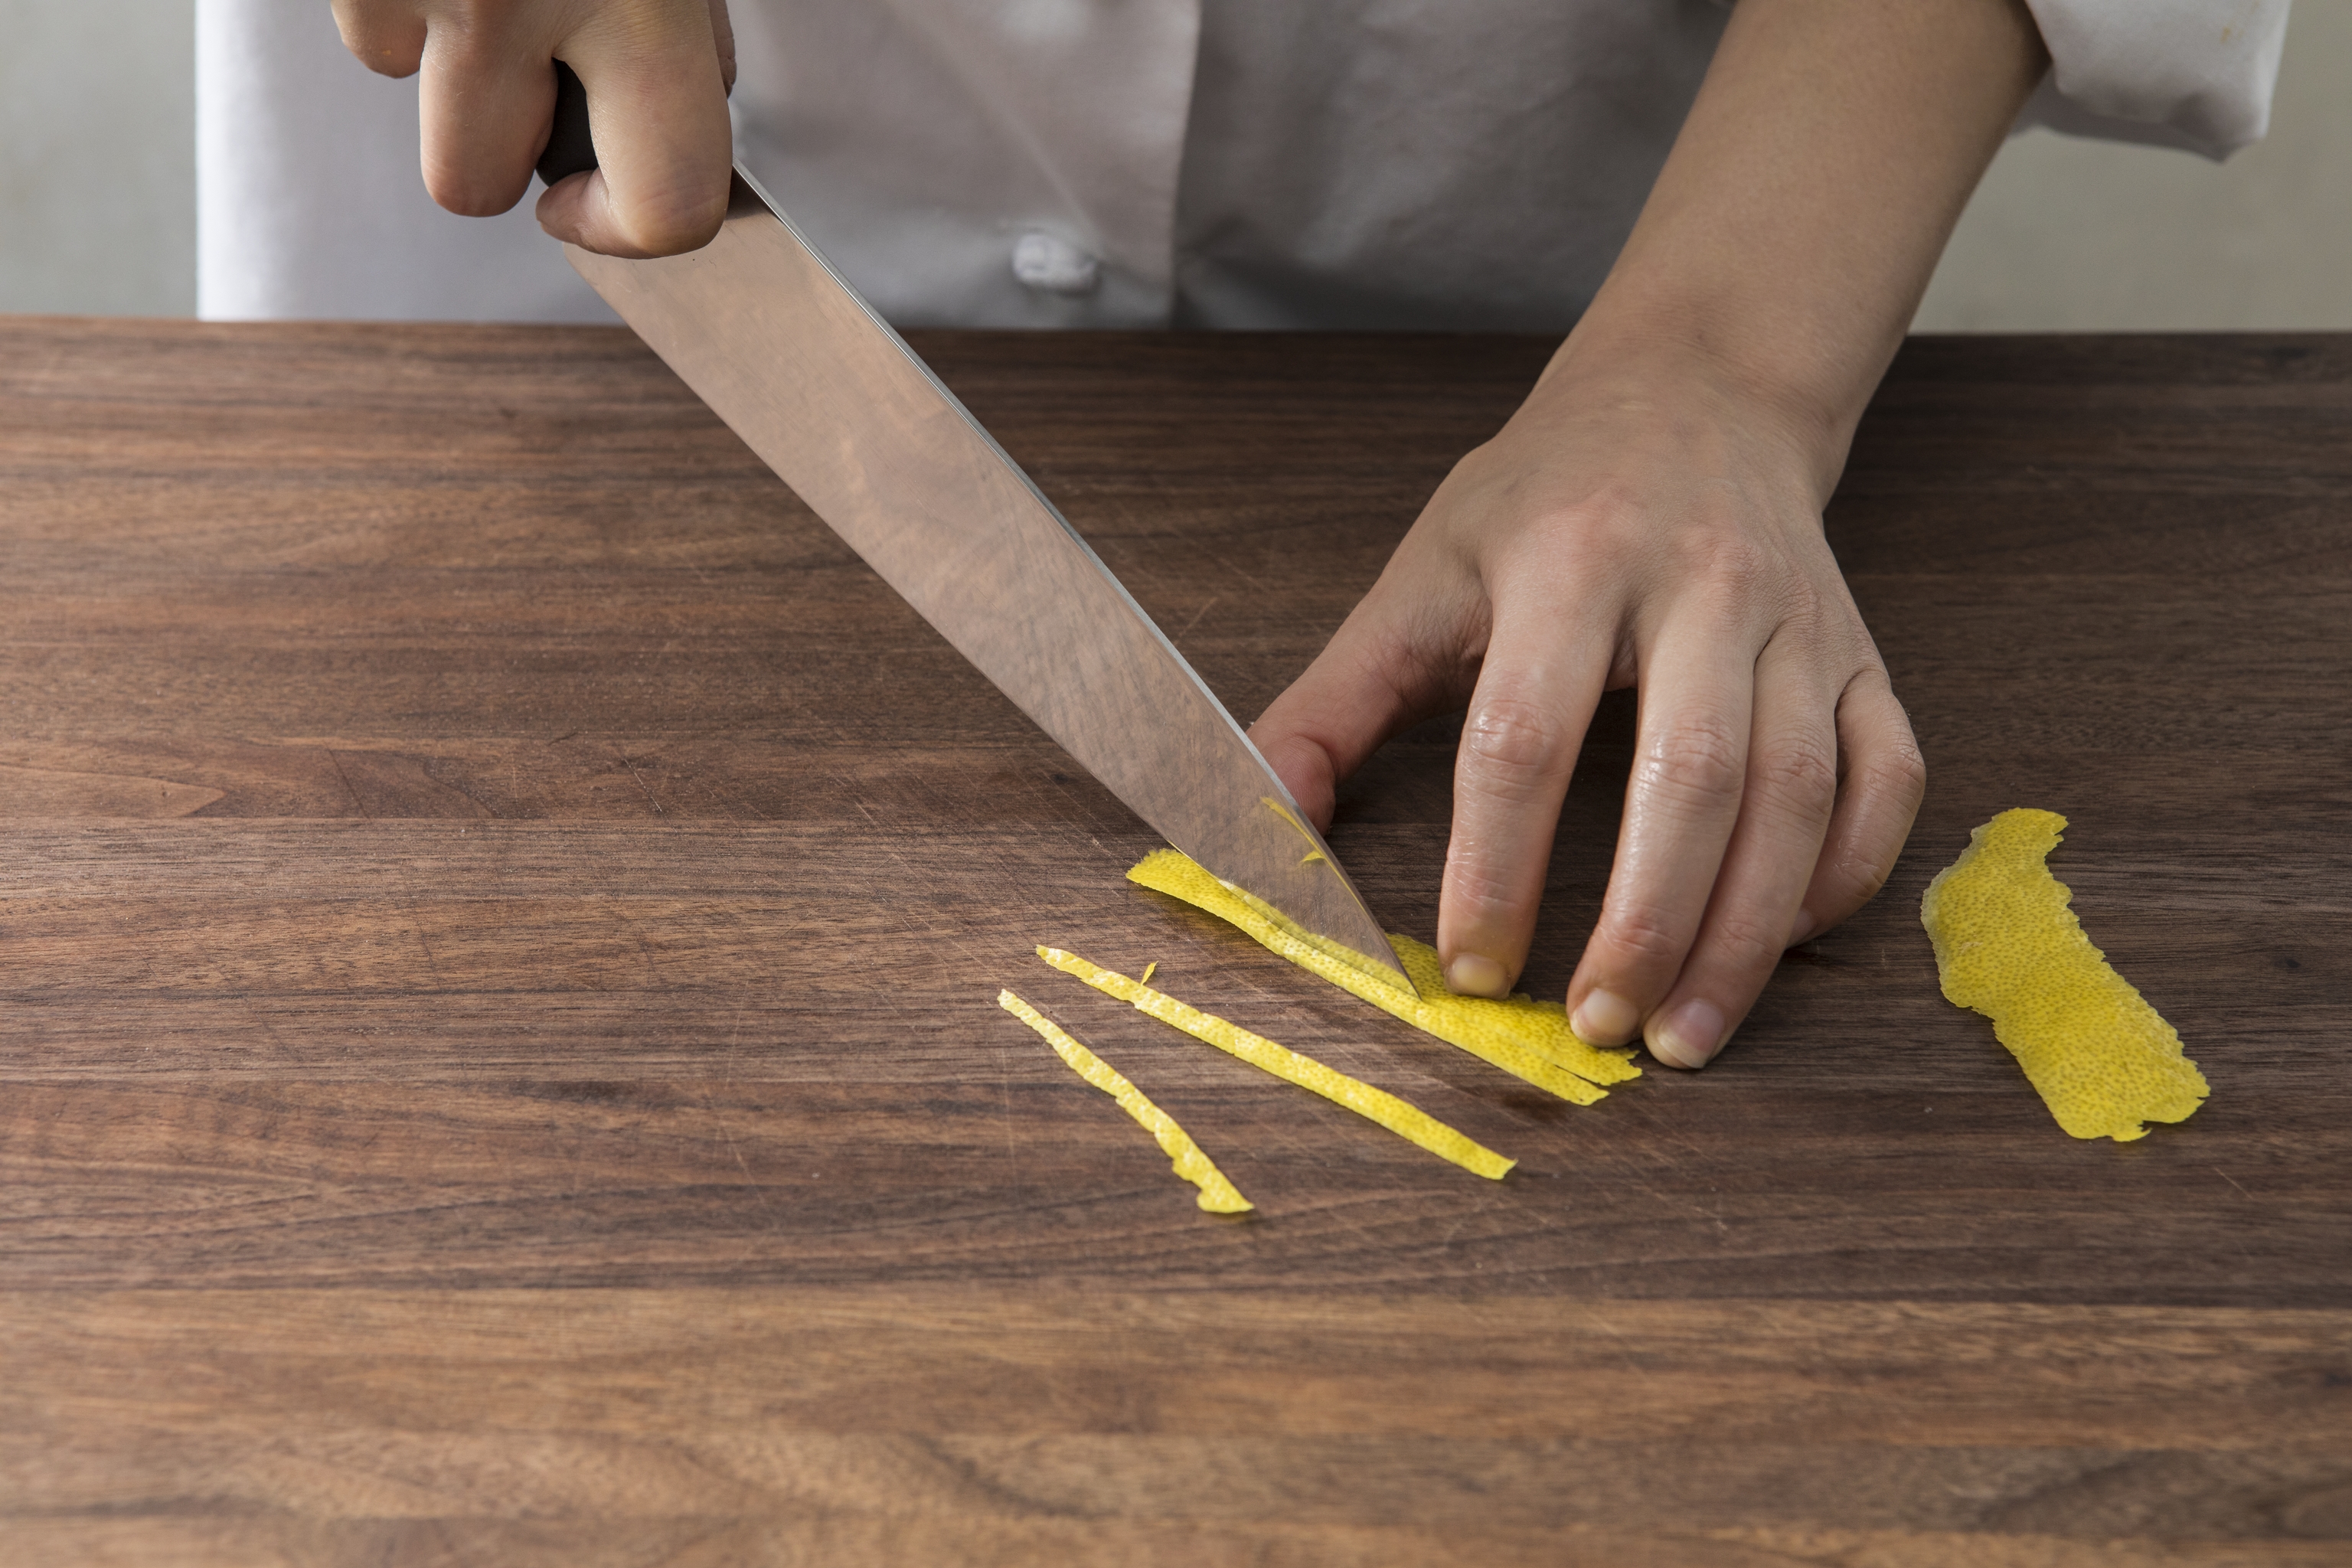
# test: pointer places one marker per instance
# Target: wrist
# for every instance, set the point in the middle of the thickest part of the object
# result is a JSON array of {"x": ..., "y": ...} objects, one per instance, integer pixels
[
  {"x": 1787, "y": 241},
  {"x": 1686, "y": 362}
]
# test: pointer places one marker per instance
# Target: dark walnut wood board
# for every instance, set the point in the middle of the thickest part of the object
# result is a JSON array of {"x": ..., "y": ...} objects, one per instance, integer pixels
[{"x": 501, "y": 917}]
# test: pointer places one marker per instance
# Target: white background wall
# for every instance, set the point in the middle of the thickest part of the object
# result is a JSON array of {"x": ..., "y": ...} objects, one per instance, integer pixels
[
  {"x": 2067, "y": 235},
  {"x": 98, "y": 157},
  {"x": 98, "y": 210}
]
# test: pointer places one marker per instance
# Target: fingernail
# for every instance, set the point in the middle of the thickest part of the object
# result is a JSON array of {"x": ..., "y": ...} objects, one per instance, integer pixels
[
  {"x": 1476, "y": 975},
  {"x": 1606, "y": 1018},
  {"x": 1801, "y": 927},
  {"x": 1690, "y": 1037}
]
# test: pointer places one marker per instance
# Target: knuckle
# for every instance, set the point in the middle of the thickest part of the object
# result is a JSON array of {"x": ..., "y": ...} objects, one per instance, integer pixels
[
  {"x": 1645, "y": 936},
  {"x": 1864, "y": 876},
  {"x": 474, "y": 18},
  {"x": 1609, "y": 506},
  {"x": 1890, "y": 763},
  {"x": 1480, "y": 886},
  {"x": 1597, "y": 530},
  {"x": 1746, "y": 942},
  {"x": 1697, "y": 765},
  {"x": 1801, "y": 774},
  {"x": 1895, "y": 781},
  {"x": 1729, "y": 561},
  {"x": 1857, "y": 874},
  {"x": 1807, "y": 625},
  {"x": 1901, "y": 775},
  {"x": 469, "y": 42},
  {"x": 1512, "y": 749}
]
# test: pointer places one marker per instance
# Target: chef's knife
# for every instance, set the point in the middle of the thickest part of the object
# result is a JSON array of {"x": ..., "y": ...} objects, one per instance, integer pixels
[{"x": 829, "y": 396}]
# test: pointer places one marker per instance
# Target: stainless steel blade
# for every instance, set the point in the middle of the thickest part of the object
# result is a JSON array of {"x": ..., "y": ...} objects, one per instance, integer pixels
[{"x": 833, "y": 400}]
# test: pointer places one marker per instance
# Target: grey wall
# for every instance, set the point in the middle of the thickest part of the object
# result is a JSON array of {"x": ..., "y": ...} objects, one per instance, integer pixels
[
  {"x": 97, "y": 212},
  {"x": 98, "y": 160}
]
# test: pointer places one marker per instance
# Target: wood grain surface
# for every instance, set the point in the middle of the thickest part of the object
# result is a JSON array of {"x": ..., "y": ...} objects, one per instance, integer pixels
[{"x": 501, "y": 914}]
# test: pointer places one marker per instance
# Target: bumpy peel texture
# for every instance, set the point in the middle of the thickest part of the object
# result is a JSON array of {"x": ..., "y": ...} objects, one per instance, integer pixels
[
  {"x": 1218, "y": 1195},
  {"x": 2008, "y": 945},
  {"x": 1407, "y": 1121},
  {"x": 1525, "y": 1038}
]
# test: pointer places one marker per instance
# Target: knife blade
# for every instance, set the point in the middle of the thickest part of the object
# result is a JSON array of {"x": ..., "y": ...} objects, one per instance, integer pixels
[{"x": 760, "y": 326}]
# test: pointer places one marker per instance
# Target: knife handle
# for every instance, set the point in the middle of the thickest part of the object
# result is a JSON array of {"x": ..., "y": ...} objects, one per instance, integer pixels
[{"x": 569, "y": 148}]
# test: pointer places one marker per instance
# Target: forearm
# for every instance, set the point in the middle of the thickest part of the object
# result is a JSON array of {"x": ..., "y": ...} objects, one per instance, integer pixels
[{"x": 1797, "y": 221}]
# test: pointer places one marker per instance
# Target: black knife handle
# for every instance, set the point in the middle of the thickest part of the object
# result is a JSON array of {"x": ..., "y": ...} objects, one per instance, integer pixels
[{"x": 569, "y": 148}]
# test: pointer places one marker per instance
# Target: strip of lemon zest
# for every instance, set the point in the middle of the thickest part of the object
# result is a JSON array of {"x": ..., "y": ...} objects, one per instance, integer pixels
[
  {"x": 1311, "y": 856},
  {"x": 1148, "y": 969},
  {"x": 1529, "y": 1039},
  {"x": 2007, "y": 945},
  {"x": 1218, "y": 1195},
  {"x": 1406, "y": 1120},
  {"x": 1287, "y": 816}
]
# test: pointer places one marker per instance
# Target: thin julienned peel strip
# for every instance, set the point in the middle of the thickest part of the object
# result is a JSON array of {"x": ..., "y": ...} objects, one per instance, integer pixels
[
  {"x": 1529, "y": 1039},
  {"x": 1218, "y": 1195},
  {"x": 1406, "y": 1120},
  {"x": 2008, "y": 945}
]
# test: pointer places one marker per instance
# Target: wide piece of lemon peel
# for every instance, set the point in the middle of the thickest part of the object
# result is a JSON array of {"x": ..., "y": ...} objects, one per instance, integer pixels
[
  {"x": 2006, "y": 944},
  {"x": 1218, "y": 1195},
  {"x": 1529, "y": 1039},
  {"x": 1406, "y": 1120}
]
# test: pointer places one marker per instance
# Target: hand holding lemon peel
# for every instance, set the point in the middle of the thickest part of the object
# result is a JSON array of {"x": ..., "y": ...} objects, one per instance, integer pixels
[
  {"x": 1406, "y": 1120},
  {"x": 1529, "y": 1039},
  {"x": 1218, "y": 1195},
  {"x": 2008, "y": 945}
]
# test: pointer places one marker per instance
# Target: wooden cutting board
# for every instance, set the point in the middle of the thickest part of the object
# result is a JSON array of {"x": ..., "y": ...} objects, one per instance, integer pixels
[{"x": 501, "y": 913}]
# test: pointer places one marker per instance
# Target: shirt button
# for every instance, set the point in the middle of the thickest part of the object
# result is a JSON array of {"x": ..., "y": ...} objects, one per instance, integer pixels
[{"x": 1052, "y": 265}]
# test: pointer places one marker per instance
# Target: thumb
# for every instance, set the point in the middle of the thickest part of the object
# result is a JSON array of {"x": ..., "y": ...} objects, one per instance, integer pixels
[{"x": 665, "y": 149}]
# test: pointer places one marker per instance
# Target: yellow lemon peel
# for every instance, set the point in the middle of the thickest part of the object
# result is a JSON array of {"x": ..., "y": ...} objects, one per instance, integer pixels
[
  {"x": 1218, "y": 1195},
  {"x": 1289, "y": 816},
  {"x": 1406, "y": 1120},
  {"x": 2007, "y": 945},
  {"x": 1529, "y": 1039}
]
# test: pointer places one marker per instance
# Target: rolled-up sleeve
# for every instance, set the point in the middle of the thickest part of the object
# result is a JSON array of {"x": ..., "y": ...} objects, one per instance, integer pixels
[{"x": 2185, "y": 73}]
